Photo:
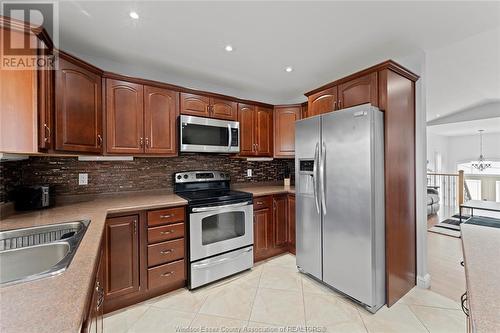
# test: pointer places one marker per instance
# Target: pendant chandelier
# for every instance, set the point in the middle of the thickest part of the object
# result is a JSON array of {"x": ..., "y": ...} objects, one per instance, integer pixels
[{"x": 481, "y": 164}]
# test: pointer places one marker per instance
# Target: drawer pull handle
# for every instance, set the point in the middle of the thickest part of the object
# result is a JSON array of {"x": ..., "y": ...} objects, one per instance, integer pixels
[
  {"x": 166, "y": 232},
  {"x": 168, "y": 274},
  {"x": 167, "y": 251},
  {"x": 167, "y": 216},
  {"x": 260, "y": 203}
]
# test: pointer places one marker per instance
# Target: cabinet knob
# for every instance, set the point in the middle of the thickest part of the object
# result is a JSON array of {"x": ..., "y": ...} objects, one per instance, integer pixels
[
  {"x": 99, "y": 140},
  {"x": 141, "y": 142},
  {"x": 147, "y": 142}
]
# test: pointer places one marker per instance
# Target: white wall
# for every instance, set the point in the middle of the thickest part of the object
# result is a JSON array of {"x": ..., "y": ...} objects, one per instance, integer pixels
[
  {"x": 437, "y": 145},
  {"x": 466, "y": 148}
]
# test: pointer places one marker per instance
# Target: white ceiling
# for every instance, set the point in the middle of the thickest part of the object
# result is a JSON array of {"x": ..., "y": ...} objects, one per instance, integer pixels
[
  {"x": 491, "y": 125},
  {"x": 183, "y": 42}
]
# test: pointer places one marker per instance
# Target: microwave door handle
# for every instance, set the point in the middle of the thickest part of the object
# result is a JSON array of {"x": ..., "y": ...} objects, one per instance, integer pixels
[
  {"x": 229, "y": 137},
  {"x": 209, "y": 209}
]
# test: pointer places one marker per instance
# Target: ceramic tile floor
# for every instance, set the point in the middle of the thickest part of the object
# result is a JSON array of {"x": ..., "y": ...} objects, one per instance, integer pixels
[{"x": 274, "y": 295}]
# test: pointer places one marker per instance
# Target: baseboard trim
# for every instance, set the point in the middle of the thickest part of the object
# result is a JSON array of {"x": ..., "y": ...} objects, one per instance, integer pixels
[{"x": 424, "y": 281}]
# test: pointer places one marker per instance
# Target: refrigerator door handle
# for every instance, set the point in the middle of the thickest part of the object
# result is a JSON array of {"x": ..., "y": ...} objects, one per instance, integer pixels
[
  {"x": 315, "y": 176},
  {"x": 322, "y": 177}
]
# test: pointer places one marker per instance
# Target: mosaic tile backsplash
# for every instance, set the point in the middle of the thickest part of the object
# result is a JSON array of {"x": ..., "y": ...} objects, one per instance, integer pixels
[{"x": 122, "y": 176}]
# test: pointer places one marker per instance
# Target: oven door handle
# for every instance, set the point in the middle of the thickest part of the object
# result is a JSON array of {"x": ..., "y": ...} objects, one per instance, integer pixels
[
  {"x": 220, "y": 261},
  {"x": 229, "y": 137},
  {"x": 213, "y": 208}
]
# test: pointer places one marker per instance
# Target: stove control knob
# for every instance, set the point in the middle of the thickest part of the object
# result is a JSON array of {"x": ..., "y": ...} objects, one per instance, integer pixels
[
  {"x": 179, "y": 176},
  {"x": 222, "y": 175},
  {"x": 185, "y": 176}
]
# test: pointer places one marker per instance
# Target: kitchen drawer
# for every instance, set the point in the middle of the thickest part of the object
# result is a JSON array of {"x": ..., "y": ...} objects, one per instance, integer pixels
[
  {"x": 262, "y": 202},
  {"x": 166, "y": 274},
  {"x": 166, "y": 251},
  {"x": 165, "y": 216},
  {"x": 165, "y": 232}
]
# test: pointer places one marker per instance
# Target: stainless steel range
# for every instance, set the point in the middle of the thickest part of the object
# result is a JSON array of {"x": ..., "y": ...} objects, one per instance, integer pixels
[{"x": 220, "y": 226}]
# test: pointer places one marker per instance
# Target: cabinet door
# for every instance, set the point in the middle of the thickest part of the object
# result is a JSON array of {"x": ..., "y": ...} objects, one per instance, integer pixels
[
  {"x": 124, "y": 117},
  {"x": 291, "y": 223},
  {"x": 262, "y": 233},
  {"x": 195, "y": 105},
  {"x": 359, "y": 91},
  {"x": 78, "y": 109},
  {"x": 160, "y": 111},
  {"x": 121, "y": 256},
  {"x": 322, "y": 102},
  {"x": 279, "y": 221},
  {"x": 284, "y": 130},
  {"x": 223, "y": 109},
  {"x": 246, "y": 118},
  {"x": 45, "y": 103},
  {"x": 18, "y": 99},
  {"x": 264, "y": 131}
]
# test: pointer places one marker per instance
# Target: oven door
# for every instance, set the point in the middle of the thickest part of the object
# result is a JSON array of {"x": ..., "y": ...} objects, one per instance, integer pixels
[
  {"x": 218, "y": 229},
  {"x": 205, "y": 135}
]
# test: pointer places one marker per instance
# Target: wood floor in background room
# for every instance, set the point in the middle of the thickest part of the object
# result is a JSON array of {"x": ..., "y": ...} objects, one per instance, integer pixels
[{"x": 274, "y": 295}]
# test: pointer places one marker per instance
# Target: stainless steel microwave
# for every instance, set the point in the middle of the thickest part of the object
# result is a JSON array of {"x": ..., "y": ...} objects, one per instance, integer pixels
[{"x": 206, "y": 135}]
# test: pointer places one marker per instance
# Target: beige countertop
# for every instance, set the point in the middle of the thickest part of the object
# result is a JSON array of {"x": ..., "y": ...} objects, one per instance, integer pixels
[
  {"x": 260, "y": 190},
  {"x": 57, "y": 304},
  {"x": 481, "y": 247}
]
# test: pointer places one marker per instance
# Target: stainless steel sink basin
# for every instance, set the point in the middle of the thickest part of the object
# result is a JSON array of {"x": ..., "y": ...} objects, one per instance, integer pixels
[{"x": 33, "y": 253}]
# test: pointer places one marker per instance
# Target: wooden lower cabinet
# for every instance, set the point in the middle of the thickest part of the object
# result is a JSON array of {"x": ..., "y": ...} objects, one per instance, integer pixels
[
  {"x": 144, "y": 256},
  {"x": 280, "y": 214},
  {"x": 262, "y": 231},
  {"x": 272, "y": 231},
  {"x": 93, "y": 322},
  {"x": 291, "y": 223}
]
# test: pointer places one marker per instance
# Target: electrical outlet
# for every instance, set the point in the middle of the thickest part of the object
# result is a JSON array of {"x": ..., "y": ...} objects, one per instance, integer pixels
[
  {"x": 249, "y": 172},
  {"x": 83, "y": 179}
]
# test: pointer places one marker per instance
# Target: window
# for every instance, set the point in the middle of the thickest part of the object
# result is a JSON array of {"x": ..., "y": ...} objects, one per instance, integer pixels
[{"x": 474, "y": 186}]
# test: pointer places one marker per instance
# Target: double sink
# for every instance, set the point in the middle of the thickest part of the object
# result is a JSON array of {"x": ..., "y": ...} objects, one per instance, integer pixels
[{"x": 32, "y": 253}]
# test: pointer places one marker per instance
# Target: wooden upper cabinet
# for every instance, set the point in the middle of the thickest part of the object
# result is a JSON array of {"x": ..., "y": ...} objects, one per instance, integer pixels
[
  {"x": 18, "y": 101},
  {"x": 195, "y": 105},
  {"x": 247, "y": 129},
  {"x": 359, "y": 91},
  {"x": 78, "y": 111},
  {"x": 264, "y": 131},
  {"x": 45, "y": 103},
  {"x": 203, "y": 106},
  {"x": 223, "y": 109},
  {"x": 124, "y": 117},
  {"x": 284, "y": 130},
  {"x": 322, "y": 102},
  {"x": 121, "y": 256},
  {"x": 160, "y": 112}
]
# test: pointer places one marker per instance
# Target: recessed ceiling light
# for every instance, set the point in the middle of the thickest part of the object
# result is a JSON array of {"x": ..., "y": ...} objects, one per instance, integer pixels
[
  {"x": 134, "y": 15},
  {"x": 437, "y": 116},
  {"x": 288, "y": 69},
  {"x": 229, "y": 48}
]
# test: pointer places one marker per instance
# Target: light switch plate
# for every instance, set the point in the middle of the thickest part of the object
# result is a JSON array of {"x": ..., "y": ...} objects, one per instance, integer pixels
[
  {"x": 249, "y": 172},
  {"x": 83, "y": 179}
]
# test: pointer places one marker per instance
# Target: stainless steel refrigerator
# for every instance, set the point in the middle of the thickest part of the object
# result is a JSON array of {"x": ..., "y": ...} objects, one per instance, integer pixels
[{"x": 339, "y": 166}]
